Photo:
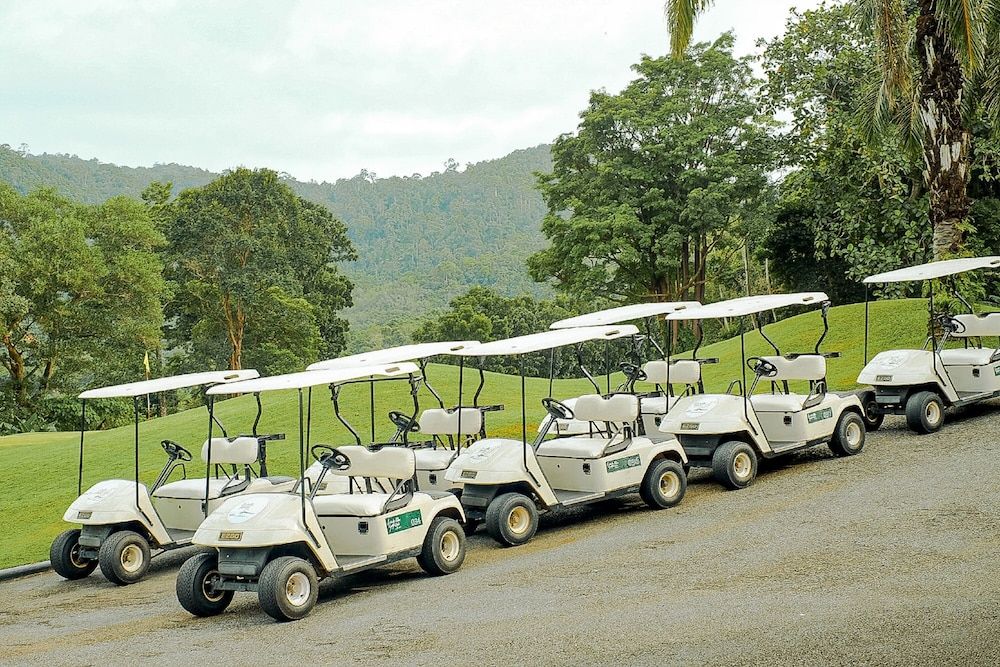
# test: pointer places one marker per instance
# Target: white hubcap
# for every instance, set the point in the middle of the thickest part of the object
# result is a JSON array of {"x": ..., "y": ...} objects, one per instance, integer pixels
[
  {"x": 670, "y": 484},
  {"x": 131, "y": 558},
  {"x": 449, "y": 546},
  {"x": 297, "y": 589},
  {"x": 518, "y": 520},
  {"x": 853, "y": 434},
  {"x": 741, "y": 465},
  {"x": 933, "y": 413}
]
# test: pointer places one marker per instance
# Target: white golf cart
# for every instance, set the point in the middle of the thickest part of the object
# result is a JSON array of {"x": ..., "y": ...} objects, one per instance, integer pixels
[
  {"x": 449, "y": 428},
  {"x": 922, "y": 383},
  {"x": 653, "y": 404},
  {"x": 281, "y": 544},
  {"x": 729, "y": 432},
  {"x": 508, "y": 482},
  {"x": 122, "y": 521}
]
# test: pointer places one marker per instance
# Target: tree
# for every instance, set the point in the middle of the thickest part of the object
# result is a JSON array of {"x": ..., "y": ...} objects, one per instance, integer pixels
[
  {"x": 655, "y": 179},
  {"x": 249, "y": 257},
  {"x": 931, "y": 69},
  {"x": 81, "y": 292}
]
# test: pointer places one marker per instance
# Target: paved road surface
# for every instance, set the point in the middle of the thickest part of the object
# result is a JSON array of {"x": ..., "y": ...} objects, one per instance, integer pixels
[{"x": 889, "y": 557}]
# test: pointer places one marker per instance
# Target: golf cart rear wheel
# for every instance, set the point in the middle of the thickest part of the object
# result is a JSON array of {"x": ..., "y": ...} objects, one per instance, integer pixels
[
  {"x": 873, "y": 415},
  {"x": 64, "y": 554},
  {"x": 512, "y": 519},
  {"x": 924, "y": 412},
  {"x": 664, "y": 484},
  {"x": 734, "y": 464},
  {"x": 288, "y": 588},
  {"x": 124, "y": 557},
  {"x": 849, "y": 436},
  {"x": 444, "y": 547},
  {"x": 196, "y": 583}
]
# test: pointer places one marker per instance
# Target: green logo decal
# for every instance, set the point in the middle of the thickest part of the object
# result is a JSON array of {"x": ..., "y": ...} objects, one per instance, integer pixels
[
  {"x": 404, "y": 521},
  {"x": 996, "y": 371},
  {"x": 623, "y": 464},
  {"x": 820, "y": 415}
]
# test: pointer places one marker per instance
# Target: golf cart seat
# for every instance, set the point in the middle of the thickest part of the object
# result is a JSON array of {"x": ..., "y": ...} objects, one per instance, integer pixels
[
  {"x": 681, "y": 371},
  {"x": 987, "y": 324},
  {"x": 439, "y": 421},
  {"x": 621, "y": 410},
  {"x": 361, "y": 504},
  {"x": 225, "y": 451},
  {"x": 778, "y": 402},
  {"x": 396, "y": 463},
  {"x": 433, "y": 459},
  {"x": 970, "y": 356}
]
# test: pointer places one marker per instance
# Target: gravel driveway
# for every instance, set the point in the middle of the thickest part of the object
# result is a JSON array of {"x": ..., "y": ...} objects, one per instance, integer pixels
[{"x": 889, "y": 557}]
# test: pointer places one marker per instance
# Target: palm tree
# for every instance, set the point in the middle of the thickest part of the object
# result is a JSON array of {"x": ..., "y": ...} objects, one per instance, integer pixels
[{"x": 936, "y": 64}]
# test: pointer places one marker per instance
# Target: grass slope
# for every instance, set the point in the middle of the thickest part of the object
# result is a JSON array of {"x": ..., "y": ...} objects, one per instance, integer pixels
[{"x": 39, "y": 470}]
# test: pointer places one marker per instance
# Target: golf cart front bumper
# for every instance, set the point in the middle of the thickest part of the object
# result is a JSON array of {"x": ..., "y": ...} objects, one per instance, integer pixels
[{"x": 891, "y": 400}]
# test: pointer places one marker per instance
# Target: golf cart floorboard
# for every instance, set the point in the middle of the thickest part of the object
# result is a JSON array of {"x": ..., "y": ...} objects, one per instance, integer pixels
[
  {"x": 779, "y": 448},
  {"x": 967, "y": 397},
  {"x": 350, "y": 564},
  {"x": 180, "y": 537},
  {"x": 568, "y": 498}
]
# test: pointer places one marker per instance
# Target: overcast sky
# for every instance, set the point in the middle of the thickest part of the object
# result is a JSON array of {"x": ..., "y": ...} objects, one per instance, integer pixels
[{"x": 323, "y": 88}]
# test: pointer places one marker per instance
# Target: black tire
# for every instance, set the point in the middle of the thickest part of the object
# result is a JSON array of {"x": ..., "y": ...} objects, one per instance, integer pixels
[
  {"x": 444, "y": 547},
  {"x": 470, "y": 526},
  {"x": 124, "y": 557},
  {"x": 664, "y": 484},
  {"x": 924, "y": 412},
  {"x": 849, "y": 436},
  {"x": 194, "y": 586},
  {"x": 64, "y": 554},
  {"x": 734, "y": 464},
  {"x": 873, "y": 415},
  {"x": 512, "y": 519},
  {"x": 280, "y": 597}
]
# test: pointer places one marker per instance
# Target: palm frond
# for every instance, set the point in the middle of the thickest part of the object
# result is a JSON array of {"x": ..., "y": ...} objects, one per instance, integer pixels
[
  {"x": 680, "y": 16},
  {"x": 965, "y": 23},
  {"x": 887, "y": 21}
]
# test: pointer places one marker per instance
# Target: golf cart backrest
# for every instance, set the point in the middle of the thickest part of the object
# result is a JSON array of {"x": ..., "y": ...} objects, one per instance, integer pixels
[
  {"x": 236, "y": 451},
  {"x": 978, "y": 325},
  {"x": 439, "y": 421},
  {"x": 682, "y": 371},
  {"x": 802, "y": 367},
  {"x": 617, "y": 409},
  {"x": 388, "y": 462}
]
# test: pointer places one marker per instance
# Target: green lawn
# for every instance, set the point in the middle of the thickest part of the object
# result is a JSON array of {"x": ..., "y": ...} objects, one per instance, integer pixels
[{"x": 38, "y": 471}]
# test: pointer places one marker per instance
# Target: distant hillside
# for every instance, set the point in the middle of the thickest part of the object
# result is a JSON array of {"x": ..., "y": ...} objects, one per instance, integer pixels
[{"x": 421, "y": 239}]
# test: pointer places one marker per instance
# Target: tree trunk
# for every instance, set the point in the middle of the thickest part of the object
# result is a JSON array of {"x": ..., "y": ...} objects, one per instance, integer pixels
[
  {"x": 946, "y": 139},
  {"x": 235, "y": 325},
  {"x": 18, "y": 372}
]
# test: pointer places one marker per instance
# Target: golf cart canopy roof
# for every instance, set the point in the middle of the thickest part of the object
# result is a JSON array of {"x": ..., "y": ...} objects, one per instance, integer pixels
[
  {"x": 932, "y": 270},
  {"x": 305, "y": 379},
  {"x": 144, "y": 387},
  {"x": 636, "y": 311},
  {"x": 749, "y": 305},
  {"x": 394, "y": 355},
  {"x": 546, "y": 340}
]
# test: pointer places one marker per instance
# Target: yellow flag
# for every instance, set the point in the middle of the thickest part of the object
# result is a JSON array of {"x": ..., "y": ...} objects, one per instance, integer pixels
[{"x": 145, "y": 362}]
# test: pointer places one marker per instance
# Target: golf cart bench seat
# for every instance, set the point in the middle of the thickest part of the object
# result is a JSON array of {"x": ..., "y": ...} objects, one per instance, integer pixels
[
  {"x": 682, "y": 371},
  {"x": 987, "y": 324},
  {"x": 237, "y": 451},
  {"x": 972, "y": 356},
  {"x": 618, "y": 409},
  {"x": 433, "y": 459},
  {"x": 446, "y": 422},
  {"x": 802, "y": 367},
  {"x": 581, "y": 447},
  {"x": 778, "y": 402},
  {"x": 194, "y": 488},
  {"x": 357, "y": 504}
]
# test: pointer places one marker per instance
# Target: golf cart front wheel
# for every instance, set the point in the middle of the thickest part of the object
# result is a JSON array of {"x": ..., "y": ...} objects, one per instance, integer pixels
[
  {"x": 64, "y": 554},
  {"x": 924, "y": 412},
  {"x": 512, "y": 519},
  {"x": 196, "y": 586},
  {"x": 849, "y": 436},
  {"x": 288, "y": 588},
  {"x": 124, "y": 557},
  {"x": 873, "y": 414},
  {"x": 444, "y": 547},
  {"x": 664, "y": 484},
  {"x": 734, "y": 464}
]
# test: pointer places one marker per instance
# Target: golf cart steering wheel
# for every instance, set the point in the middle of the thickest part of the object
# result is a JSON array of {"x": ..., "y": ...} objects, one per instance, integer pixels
[
  {"x": 403, "y": 421},
  {"x": 952, "y": 324},
  {"x": 330, "y": 457},
  {"x": 762, "y": 367},
  {"x": 557, "y": 409},
  {"x": 633, "y": 372},
  {"x": 175, "y": 451}
]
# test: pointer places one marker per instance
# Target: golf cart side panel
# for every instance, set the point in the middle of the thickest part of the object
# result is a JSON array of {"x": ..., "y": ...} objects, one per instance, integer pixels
[
  {"x": 399, "y": 530},
  {"x": 619, "y": 470},
  {"x": 810, "y": 424},
  {"x": 112, "y": 502},
  {"x": 264, "y": 520},
  {"x": 907, "y": 368},
  {"x": 971, "y": 378},
  {"x": 713, "y": 415},
  {"x": 495, "y": 462}
]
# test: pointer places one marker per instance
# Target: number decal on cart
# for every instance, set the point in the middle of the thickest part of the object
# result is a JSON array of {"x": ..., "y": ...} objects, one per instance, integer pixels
[
  {"x": 996, "y": 371},
  {"x": 624, "y": 464},
  {"x": 404, "y": 521},
  {"x": 820, "y": 415}
]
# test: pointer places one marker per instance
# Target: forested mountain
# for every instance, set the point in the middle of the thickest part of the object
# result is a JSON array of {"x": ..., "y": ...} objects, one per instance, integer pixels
[{"x": 421, "y": 240}]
